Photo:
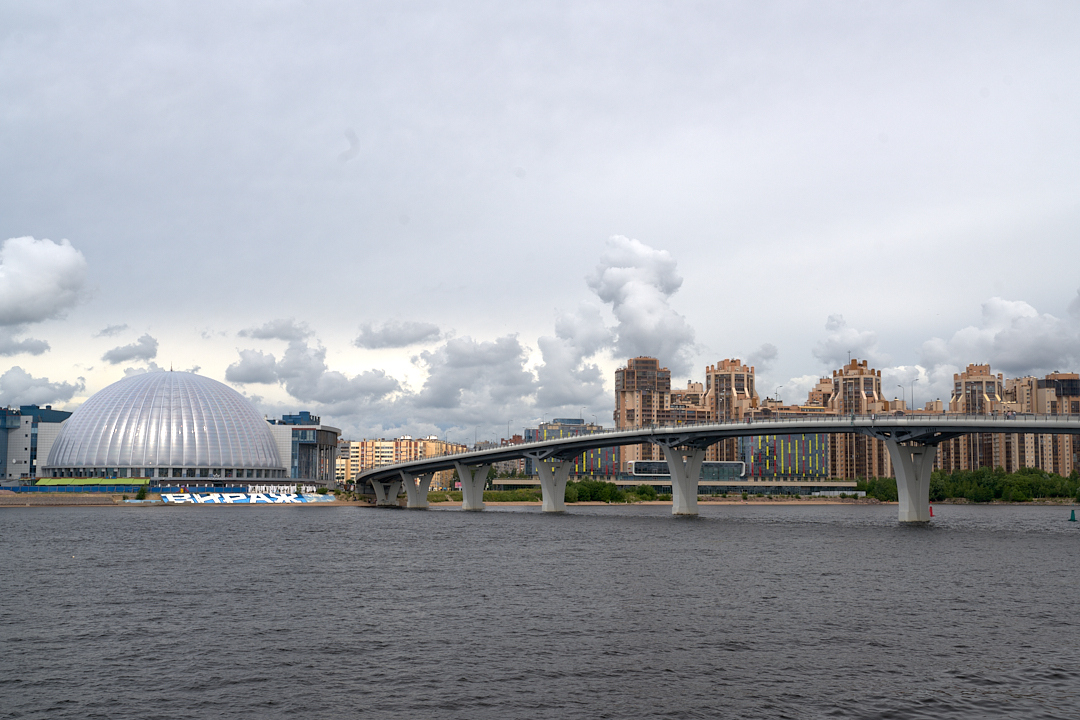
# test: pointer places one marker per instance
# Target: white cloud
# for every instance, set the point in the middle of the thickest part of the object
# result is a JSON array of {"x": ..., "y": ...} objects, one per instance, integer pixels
[
  {"x": 18, "y": 387},
  {"x": 39, "y": 279},
  {"x": 394, "y": 334},
  {"x": 145, "y": 348},
  {"x": 638, "y": 281},
  {"x": 254, "y": 366}
]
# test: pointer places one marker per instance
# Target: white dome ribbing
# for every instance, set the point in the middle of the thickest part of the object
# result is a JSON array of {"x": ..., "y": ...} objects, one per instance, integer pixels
[{"x": 165, "y": 419}]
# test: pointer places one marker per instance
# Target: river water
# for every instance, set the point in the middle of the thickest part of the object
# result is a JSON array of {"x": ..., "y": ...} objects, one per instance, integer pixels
[{"x": 604, "y": 612}]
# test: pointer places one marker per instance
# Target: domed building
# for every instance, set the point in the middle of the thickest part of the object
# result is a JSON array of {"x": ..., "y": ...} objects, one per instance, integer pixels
[{"x": 166, "y": 425}]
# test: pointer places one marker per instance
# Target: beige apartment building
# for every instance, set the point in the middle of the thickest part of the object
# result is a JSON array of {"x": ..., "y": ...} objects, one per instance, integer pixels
[
  {"x": 730, "y": 394},
  {"x": 357, "y": 455},
  {"x": 1056, "y": 394},
  {"x": 976, "y": 391},
  {"x": 642, "y": 398},
  {"x": 856, "y": 390}
]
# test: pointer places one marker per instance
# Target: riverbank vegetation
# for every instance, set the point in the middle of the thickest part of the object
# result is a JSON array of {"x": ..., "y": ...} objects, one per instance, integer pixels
[
  {"x": 581, "y": 491},
  {"x": 984, "y": 485}
]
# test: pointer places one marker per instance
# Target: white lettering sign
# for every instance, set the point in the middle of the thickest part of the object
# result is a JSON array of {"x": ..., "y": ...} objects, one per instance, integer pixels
[{"x": 244, "y": 498}]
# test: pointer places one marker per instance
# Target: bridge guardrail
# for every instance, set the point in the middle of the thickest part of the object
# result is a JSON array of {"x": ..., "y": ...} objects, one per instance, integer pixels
[{"x": 811, "y": 419}]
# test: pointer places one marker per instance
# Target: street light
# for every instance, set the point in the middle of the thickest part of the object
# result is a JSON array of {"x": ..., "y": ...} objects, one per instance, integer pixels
[
  {"x": 902, "y": 391},
  {"x": 913, "y": 394}
]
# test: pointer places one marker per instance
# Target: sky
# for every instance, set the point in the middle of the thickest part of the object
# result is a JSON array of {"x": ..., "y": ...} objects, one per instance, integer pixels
[{"x": 458, "y": 219}]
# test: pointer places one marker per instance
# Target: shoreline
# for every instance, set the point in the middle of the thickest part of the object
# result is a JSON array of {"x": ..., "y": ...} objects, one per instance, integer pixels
[{"x": 16, "y": 500}]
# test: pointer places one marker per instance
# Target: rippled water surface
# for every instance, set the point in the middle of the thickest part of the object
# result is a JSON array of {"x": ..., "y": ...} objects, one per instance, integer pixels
[{"x": 745, "y": 611}]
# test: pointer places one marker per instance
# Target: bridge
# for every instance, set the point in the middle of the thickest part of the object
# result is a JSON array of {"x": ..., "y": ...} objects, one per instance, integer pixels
[{"x": 911, "y": 441}]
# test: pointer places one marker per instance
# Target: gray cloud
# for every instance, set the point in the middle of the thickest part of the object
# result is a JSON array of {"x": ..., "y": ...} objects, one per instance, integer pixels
[
  {"x": 145, "y": 348},
  {"x": 394, "y": 334},
  {"x": 638, "y": 281},
  {"x": 565, "y": 379},
  {"x": 254, "y": 366},
  {"x": 1014, "y": 338},
  {"x": 763, "y": 358},
  {"x": 9, "y": 345},
  {"x": 18, "y": 387},
  {"x": 468, "y": 373},
  {"x": 39, "y": 279},
  {"x": 304, "y": 374},
  {"x": 842, "y": 340},
  {"x": 283, "y": 329},
  {"x": 111, "y": 330}
]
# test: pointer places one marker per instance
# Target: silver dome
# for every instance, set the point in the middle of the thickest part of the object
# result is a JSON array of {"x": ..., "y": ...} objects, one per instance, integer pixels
[{"x": 165, "y": 420}]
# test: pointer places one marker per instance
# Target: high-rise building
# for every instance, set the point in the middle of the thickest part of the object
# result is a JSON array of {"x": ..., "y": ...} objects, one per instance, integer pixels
[
  {"x": 976, "y": 391},
  {"x": 856, "y": 390},
  {"x": 642, "y": 398},
  {"x": 730, "y": 394},
  {"x": 1056, "y": 394},
  {"x": 688, "y": 405}
]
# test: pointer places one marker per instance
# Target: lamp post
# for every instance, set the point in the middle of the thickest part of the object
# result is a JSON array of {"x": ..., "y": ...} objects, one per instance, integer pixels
[
  {"x": 902, "y": 391},
  {"x": 913, "y": 394}
]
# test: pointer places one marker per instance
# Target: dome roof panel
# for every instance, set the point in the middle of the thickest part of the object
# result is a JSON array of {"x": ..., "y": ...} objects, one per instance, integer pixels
[{"x": 165, "y": 419}]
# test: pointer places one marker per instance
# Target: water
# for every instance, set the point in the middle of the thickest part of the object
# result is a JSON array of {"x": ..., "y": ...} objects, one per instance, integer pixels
[{"x": 605, "y": 612}]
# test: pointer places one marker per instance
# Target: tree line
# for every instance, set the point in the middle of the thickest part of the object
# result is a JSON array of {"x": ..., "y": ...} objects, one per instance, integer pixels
[{"x": 984, "y": 485}]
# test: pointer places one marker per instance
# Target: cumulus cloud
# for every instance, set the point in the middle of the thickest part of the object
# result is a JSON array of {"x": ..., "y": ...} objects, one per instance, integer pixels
[
  {"x": 284, "y": 329},
  {"x": 638, "y": 281},
  {"x": 254, "y": 366},
  {"x": 1014, "y": 338},
  {"x": 842, "y": 339},
  {"x": 465, "y": 372},
  {"x": 39, "y": 279},
  {"x": 145, "y": 348},
  {"x": 111, "y": 330},
  {"x": 395, "y": 334},
  {"x": 18, "y": 387},
  {"x": 10, "y": 345},
  {"x": 565, "y": 379},
  {"x": 763, "y": 358},
  {"x": 303, "y": 372}
]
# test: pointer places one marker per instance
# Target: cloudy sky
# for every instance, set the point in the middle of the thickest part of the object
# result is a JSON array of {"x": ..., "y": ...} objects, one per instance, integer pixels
[{"x": 453, "y": 218}]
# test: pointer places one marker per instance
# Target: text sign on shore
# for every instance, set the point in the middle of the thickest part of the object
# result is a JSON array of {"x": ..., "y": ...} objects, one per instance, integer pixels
[{"x": 243, "y": 498}]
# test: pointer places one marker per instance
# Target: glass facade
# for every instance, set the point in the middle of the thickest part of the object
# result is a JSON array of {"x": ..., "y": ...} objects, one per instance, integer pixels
[{"x": 166, "y": 425}]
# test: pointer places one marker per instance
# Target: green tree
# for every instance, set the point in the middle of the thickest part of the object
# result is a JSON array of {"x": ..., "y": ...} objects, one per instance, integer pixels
[{"x": 645, "y": 492}]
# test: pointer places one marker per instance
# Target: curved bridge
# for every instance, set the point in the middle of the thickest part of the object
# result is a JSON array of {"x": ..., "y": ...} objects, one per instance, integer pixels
[{"x": 912, "y": 443}]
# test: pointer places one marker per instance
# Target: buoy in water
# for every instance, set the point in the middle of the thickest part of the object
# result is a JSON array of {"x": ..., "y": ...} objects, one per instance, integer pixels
[
  {"x": 1072, "y": 518},
  {"x": 931, "y": 511}
]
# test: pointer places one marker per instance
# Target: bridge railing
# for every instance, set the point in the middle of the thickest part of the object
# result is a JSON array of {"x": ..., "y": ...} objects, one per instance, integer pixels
[{"x": 811, "y": 418}]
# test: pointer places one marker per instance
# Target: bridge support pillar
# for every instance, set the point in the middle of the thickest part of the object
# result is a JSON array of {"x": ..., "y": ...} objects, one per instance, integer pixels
[
  {"x": 685, "y": 466},
  {"x": 912, "y": 464},
  {"x": 473, "y": 478},
  {"x": 386, "y": 492},
  {"x": 553, "y": 477},
  {"x": 416, "y": 486}
]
